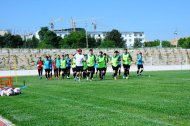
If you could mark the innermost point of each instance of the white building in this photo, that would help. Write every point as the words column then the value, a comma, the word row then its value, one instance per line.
column 128, row 37
column 131, row 37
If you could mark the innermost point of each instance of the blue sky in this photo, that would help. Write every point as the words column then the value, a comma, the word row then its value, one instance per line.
column 157, row 18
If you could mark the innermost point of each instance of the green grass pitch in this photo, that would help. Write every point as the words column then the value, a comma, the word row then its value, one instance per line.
column 161, row 99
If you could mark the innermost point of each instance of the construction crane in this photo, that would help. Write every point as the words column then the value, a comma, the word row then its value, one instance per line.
column 74, row 21
column 86, row 20
column 73, row 24
column 52, row 22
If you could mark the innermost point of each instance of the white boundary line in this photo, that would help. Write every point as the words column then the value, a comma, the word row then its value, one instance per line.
column 109, row 69
column 6, row 122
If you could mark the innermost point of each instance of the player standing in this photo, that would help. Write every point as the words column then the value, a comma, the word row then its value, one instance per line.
column 58, row 65
column 47, row 67
column 139, row 64
column 63, row 66
column 50, row 67
column 68, row 65
column 91, row 60
column 126, row 59
column 55, row 69
column 114, row 63
column 73, row 63
column 79, row 64
column 101, row 60
column 40, row 67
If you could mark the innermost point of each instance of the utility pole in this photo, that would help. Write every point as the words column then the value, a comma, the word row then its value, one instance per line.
column 175, row 34
column 86, row 36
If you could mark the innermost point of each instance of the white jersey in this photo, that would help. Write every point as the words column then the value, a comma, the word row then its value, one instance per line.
column 79, row 59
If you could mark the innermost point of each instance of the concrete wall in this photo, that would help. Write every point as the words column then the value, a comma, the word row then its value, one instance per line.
column 11, row 59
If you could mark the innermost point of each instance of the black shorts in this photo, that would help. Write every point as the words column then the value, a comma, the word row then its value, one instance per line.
column 126, row 66
column 102, row 69
column 119, row 66
column 84, row 70
column 115, row 68
column 40, row 69
column 47, row 70
column 74, row 69
column 79, row 68
column 92, row 69
column 68, row 68
column 140, row 66
column 64, row 70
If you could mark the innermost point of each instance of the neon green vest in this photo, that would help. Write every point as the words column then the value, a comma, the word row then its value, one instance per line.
column 90, row 60
column 63, row 63
column 101, row 62
column 74, row 63
column 114, row 61
column 126, row 59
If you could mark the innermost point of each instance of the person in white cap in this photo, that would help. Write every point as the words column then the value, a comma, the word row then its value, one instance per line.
column 79, row 64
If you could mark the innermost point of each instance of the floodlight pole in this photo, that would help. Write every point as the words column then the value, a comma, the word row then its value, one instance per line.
column 175, row 33
column 86, row 36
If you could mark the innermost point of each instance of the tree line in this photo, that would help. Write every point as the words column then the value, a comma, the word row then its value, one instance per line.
column 158, row 43
column 182, row 42
column 49, row 39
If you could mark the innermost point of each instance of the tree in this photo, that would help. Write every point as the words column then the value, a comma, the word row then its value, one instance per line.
column 17, row 41
column 13, row 41
column 137, row 43
column 154, row 43
column 32, row 43
column 7, row 40
column 166, row 44
column 181, row 42
column 116, row 37
column 2, row 42
column 58, row 41
column 187, row 43
column 48, row 39
column 107, row 44
column 98, row 42
column 184, row 42
column 42, row 32
column 77, row 40
column 92, row 42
